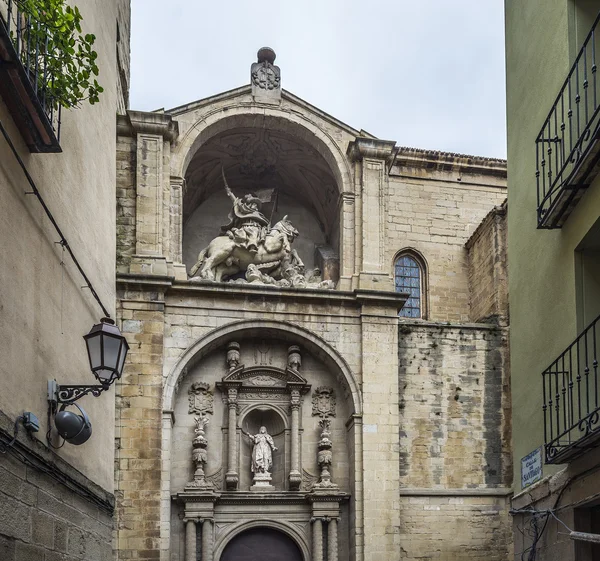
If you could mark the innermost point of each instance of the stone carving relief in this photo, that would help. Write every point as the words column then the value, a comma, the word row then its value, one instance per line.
column 294, row 358
column 233, row 355
column 200, row 404
column 308, row 480
column 262, row 457
column 199, row 453
column 215, row 480
column 249, row 245
column 201, row 399
column 323, row 402
column 261, row 354
column 264, row 74
column 325, row 454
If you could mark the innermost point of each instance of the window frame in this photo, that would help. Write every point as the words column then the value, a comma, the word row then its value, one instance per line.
column 418, row 258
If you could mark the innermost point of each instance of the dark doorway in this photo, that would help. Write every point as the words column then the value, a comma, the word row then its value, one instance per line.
column 261, row 544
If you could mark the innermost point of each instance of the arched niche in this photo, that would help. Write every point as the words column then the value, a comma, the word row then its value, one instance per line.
column 298, row 168
column 208, row 362
column 276, row 421
column 261, row 543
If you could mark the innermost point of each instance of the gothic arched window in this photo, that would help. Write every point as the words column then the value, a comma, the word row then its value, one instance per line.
column 409, row 276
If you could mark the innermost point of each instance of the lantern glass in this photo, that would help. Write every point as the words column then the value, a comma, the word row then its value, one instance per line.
column 111, row 351
column 94, row 346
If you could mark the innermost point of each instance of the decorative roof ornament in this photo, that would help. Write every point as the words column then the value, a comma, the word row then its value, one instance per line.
column 265, row 77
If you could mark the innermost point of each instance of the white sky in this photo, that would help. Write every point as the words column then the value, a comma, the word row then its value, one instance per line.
column 425, row 73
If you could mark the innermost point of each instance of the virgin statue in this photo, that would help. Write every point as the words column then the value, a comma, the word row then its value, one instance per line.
column 262, row 453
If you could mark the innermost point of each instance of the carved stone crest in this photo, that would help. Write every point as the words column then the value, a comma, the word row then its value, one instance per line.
column 264, row 74
column 323, row 402
column 201, row 399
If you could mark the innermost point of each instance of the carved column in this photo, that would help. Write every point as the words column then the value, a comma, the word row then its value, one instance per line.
column 332, row 540
column 190, row 540
column 207, row 543
column 295, row 475
column 231, row 477
column 317, row 540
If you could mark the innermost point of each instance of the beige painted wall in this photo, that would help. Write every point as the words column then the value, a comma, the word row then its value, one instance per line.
column 43, row 308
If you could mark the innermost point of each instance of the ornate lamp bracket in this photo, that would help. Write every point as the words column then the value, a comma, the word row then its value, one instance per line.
column 71, row 393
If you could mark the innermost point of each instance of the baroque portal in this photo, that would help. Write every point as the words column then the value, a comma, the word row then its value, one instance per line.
column 272, row 394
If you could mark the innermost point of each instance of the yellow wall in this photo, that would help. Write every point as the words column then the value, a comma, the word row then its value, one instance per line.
column 541, row 263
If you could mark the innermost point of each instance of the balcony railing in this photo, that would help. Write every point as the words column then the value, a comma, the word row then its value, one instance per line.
column 572, row 399
column 24, row 79
column 567, row 147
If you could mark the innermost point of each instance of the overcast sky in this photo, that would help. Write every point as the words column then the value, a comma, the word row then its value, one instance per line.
column 425, row 73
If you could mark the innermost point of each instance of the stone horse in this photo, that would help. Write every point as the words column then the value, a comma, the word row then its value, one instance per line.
column 224, row 257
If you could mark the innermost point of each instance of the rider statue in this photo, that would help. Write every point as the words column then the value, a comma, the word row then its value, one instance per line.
column 247, row 225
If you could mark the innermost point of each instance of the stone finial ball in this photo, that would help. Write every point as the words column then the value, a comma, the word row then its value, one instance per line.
column 266, row 54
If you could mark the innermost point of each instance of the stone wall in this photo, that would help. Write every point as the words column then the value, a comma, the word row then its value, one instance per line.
column 488, row 275
column 436, row 201
column 455, row 528
column 48, row 510
column 455, row 437
column 126, row 201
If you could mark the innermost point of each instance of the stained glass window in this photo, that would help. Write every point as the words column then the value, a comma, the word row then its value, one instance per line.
column 408, row 277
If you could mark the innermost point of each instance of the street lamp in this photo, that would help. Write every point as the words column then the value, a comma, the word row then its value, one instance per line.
column 107, row 350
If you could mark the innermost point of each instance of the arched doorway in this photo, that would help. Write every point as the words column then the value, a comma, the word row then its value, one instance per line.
column 261, row 544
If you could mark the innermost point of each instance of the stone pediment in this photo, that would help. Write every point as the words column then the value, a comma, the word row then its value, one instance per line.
column 263, row 377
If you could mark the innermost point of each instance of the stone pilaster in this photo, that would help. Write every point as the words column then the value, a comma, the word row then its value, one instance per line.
column 371, row 158
column 295, row 475
column 207, row 540
column 332, row 540
column 140, row 422
column 190, row 540
column 231, row 477
column 154, row 133
column 317, row 539
column 381, row 459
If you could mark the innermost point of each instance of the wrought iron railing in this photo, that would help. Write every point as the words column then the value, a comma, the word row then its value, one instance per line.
column 572, row 399
column 31, row 49
column 566, row 147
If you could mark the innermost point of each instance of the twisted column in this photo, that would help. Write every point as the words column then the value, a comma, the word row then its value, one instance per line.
column 317, row 540
column 190, row 540
column 231, row 477
column 207, row 543
column 332, row 540
column 295, row 475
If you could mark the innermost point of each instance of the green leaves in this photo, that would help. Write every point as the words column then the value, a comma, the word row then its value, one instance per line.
column 64, row 58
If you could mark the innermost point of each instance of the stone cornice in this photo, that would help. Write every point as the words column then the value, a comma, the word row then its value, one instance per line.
column 371, row 148
column 160, row 124
column 447, row 161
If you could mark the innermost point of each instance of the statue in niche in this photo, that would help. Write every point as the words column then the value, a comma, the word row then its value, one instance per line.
column 262, row 452
column 249, row 244
column 247, row 226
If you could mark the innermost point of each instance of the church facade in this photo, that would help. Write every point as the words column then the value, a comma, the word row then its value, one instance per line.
column 318, row 323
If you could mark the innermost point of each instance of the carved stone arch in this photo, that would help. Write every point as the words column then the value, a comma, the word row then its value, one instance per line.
column 274, row 406
column 251, row 328
column 235, row 115
column 417, row 256
column 287, row 529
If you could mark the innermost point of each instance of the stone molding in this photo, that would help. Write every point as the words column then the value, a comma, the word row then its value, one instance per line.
column 142, row 122
column 310, row 342
column 285, row 527
column 371, row 148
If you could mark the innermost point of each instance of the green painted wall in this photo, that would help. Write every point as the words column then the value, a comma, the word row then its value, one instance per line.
column 541, row 37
